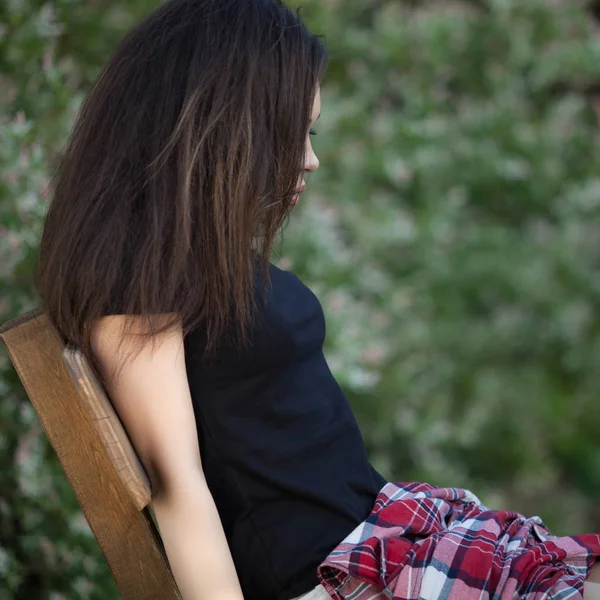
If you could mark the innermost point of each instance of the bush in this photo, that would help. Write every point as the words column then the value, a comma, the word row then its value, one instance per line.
column 451, row 233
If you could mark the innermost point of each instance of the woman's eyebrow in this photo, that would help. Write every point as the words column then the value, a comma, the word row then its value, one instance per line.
column 317, row 118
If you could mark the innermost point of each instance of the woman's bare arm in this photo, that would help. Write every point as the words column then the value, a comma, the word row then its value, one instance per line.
column 153, row 401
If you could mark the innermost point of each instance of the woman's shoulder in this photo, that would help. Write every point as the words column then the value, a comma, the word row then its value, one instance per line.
column 285, row 275
column 289, row 287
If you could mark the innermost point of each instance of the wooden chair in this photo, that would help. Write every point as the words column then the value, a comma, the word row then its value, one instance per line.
column 94, row 450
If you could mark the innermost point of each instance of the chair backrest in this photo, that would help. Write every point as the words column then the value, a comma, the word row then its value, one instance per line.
column 95, row 453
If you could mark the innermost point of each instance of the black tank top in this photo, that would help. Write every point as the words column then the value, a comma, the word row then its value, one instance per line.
column 281, row 450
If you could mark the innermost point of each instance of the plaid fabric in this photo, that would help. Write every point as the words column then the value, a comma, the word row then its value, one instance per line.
column 422, row 542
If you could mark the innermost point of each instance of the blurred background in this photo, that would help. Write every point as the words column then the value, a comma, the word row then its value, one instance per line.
column 452, row 234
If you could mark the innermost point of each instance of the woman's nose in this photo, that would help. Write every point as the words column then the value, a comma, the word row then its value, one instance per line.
column 311, row 162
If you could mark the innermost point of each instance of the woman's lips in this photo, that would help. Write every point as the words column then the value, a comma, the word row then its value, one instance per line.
column 297, row 194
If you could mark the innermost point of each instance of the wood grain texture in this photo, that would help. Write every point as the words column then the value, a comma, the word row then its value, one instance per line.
column 108, row 425
column 126, row 534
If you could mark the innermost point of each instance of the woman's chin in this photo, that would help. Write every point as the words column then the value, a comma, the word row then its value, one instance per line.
column 295, row 198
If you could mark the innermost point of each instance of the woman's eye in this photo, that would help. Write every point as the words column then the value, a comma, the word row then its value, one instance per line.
column 312, row 132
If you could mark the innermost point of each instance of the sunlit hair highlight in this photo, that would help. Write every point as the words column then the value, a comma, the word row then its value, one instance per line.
column 180, row 171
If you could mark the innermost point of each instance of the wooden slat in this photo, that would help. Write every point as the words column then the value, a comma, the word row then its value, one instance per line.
column 128, row 537
column 109, row 426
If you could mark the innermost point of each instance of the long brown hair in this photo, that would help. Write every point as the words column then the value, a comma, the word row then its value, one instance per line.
column 180, row 170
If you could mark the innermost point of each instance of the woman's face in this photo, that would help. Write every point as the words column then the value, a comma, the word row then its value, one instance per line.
column 311, row 162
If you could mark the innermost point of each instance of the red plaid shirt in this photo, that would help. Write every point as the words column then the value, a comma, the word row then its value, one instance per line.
column 422, row 542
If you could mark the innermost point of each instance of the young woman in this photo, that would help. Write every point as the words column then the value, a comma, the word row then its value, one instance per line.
column 187, row 156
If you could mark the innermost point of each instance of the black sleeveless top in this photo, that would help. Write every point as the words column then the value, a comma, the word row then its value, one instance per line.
column 281, row 450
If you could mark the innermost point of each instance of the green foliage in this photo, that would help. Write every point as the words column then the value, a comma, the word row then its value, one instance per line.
column 451, row 233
